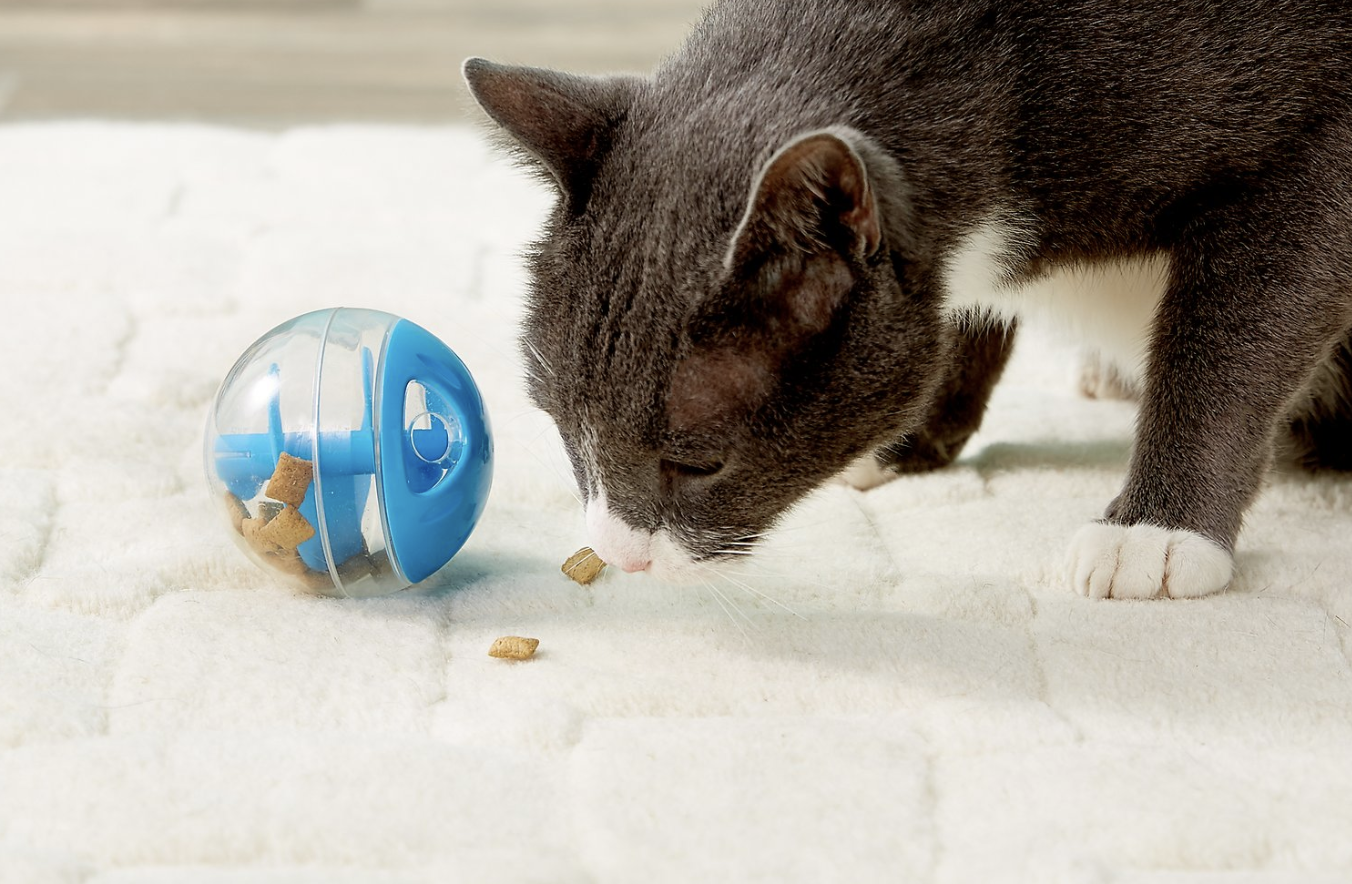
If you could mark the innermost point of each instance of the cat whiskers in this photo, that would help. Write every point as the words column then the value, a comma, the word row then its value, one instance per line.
column 728, row 607
column 778, row 530
column 511, row 360
column 755, row 557
column 749, row 549
column 539, row 357
column 748, row 588
column 568, row 484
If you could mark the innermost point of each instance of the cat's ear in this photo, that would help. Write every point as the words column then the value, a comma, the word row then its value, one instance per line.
column 565, row 121
column 812, row 218
column 814, row 194
column 743, row 339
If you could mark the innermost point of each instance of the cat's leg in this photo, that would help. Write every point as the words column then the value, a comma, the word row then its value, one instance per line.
column 1260, row 291
column 980, row 352
column 1319, row 430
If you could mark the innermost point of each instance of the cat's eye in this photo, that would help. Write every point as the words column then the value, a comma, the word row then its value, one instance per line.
column 691, row 470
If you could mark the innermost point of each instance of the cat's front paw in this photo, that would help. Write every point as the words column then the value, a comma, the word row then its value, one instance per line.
column 1100, row 378
column 866, row 473
column 914, row 454
column 1145, row 562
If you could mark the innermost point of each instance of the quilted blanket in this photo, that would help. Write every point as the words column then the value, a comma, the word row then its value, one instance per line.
column 899, row 689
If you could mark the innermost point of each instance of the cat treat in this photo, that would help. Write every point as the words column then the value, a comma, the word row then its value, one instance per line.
column 264, row 543
column 286, row 530
column 290, row 480
column 250, row 527
column 278, row 529
column 274, row 528
column 584, row 566
column 239, row 511
column 288, row 561
column 275, row 543
column 357, row 567
column 514, row 647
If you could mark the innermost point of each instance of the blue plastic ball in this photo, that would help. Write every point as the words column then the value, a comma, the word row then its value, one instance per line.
column 351, row 452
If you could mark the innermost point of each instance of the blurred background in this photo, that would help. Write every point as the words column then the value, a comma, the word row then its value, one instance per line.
column 273, row 63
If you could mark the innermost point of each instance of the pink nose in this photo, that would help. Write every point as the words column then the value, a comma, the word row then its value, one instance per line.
column 631, row 561
column 632, row 566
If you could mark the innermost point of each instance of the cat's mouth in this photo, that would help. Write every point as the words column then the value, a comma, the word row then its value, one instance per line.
column 673, row 563
column 659, row 554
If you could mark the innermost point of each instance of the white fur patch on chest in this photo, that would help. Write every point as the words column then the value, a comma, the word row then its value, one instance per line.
column 1107, row 305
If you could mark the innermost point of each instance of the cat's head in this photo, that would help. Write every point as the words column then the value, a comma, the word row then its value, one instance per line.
column 718, row 321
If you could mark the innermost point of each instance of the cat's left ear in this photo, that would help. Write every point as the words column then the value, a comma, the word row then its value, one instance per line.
column 814, row 194
column 564, row 121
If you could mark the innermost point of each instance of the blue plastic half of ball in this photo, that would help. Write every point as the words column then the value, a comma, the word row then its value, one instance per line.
column 436, row 466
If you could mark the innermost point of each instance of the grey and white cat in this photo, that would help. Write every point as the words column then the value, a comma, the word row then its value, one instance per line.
column 799, row 248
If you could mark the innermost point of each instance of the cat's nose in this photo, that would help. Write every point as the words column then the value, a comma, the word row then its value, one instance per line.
column 631, row 560
column 634, row 565
column 615, row 541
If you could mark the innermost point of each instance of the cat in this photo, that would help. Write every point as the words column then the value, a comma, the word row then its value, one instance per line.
column 800, row 249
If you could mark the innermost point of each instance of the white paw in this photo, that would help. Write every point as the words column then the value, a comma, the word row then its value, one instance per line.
column 1144, row 561
column 1101, row 378
column 865, row 473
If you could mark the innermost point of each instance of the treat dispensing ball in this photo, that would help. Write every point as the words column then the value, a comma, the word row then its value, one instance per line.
column 350, row 451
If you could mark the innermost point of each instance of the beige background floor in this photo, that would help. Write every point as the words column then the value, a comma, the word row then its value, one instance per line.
column 268, row 64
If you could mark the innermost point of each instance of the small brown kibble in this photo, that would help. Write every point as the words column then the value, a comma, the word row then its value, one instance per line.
column 286, row 530
column 252, row 529
column 290, row 480
column 238, row 511
column 514, row 647
column 380, row 561
column 584, row 565
column 356, row 568
column 288, row 561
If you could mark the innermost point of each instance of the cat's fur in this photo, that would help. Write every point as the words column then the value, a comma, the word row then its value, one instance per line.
column 802, row 242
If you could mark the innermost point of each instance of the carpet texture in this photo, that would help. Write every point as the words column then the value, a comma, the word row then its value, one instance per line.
column 899, row 689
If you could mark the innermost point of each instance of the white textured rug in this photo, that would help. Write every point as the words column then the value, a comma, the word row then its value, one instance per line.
column 937, row 709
